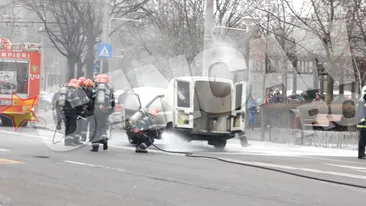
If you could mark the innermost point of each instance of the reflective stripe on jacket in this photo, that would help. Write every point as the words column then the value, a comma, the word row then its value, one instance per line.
column 360, row 114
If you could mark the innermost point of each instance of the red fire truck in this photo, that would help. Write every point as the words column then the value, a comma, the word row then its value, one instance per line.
column 20, row 65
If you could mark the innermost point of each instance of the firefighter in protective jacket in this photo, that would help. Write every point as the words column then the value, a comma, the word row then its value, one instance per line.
column 144, row 129
column 103, row 107
column 82, row 123
column 72, row 108
column 361, row 123
column 90, row 92
column 59, row 97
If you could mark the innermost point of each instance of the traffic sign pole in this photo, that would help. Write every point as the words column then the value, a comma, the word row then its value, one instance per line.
column 104, row 53
column 101, row 66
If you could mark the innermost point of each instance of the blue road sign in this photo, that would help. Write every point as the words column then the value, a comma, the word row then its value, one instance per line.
column 104, row 51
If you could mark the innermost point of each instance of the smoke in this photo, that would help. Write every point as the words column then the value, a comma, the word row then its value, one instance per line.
column 175, row 142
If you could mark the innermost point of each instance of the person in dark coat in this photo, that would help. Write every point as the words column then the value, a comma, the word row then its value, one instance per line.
column 361, row 123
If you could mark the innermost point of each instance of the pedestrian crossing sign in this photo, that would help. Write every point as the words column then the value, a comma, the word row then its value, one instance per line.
column 104, row 50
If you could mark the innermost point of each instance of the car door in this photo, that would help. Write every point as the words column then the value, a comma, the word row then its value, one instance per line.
column 183, row 116
column 130, row 105
column 238, row 107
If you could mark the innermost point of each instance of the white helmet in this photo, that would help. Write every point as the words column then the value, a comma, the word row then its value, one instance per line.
column 363, row 91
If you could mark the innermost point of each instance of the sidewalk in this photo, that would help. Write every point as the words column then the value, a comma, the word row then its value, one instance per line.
column 297, row 150
column 323, row 139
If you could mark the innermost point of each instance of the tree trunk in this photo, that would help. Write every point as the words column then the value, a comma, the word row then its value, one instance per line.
column 330, row 83
column 294, row 74
column 69, row 73
column 80, row 66
column 341, row 82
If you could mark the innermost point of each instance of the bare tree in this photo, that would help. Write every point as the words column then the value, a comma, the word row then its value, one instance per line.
column 322, row 21
column 91, row 23
column 63, row 25
column 175, row 28
column 356, row 17
column 275, row 21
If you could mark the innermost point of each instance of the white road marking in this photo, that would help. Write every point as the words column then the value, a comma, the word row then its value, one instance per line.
column 299, row 169
column 335, row 160
column 25, row 134
column 4, row 150
column 92, row 165
column 349, row 167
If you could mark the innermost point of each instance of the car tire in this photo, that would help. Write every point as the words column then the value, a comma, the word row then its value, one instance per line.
column 7, row 122
column 219, row 144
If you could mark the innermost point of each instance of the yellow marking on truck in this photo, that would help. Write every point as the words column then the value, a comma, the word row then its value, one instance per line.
column 8, row 162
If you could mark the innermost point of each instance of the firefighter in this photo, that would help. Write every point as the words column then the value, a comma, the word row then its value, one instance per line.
column 72, row 108
column 143, row 127
column 103, row 107
column 82, row 124
column 57, row 112
column 90, row 92
column 361, row 123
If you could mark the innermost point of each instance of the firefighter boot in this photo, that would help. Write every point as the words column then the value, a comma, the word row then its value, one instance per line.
column 105, row 144
column 141, row 148
column 83, row 138
column 77, row 140
column 69, row 142
column 95, row 148
column 104, row 141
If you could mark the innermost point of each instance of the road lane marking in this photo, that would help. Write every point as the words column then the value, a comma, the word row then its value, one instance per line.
column 8, row 161
column 347, row 166
column 92, row 165
column 4, row 150
column 297, row 168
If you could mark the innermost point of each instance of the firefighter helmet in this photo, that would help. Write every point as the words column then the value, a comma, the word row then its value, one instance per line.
column 98, row 78
column 154, row 112
column 81, row 81
column 89, row 83
column 73, row 83
column 105, row 78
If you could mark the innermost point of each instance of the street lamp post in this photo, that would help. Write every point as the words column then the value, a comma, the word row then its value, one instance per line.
column 108, row 39
column 43, row 67
column 105, row 30
column 120, row 19
column 209, row 22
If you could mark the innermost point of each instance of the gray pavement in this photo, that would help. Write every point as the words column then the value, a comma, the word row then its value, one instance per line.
column 34, row 173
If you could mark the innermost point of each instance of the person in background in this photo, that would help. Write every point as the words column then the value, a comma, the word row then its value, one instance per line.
column 252, row 110
column 267, row 99
column 293, row 96
column 317, row 97
column 266, row 113
column 276, row 98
